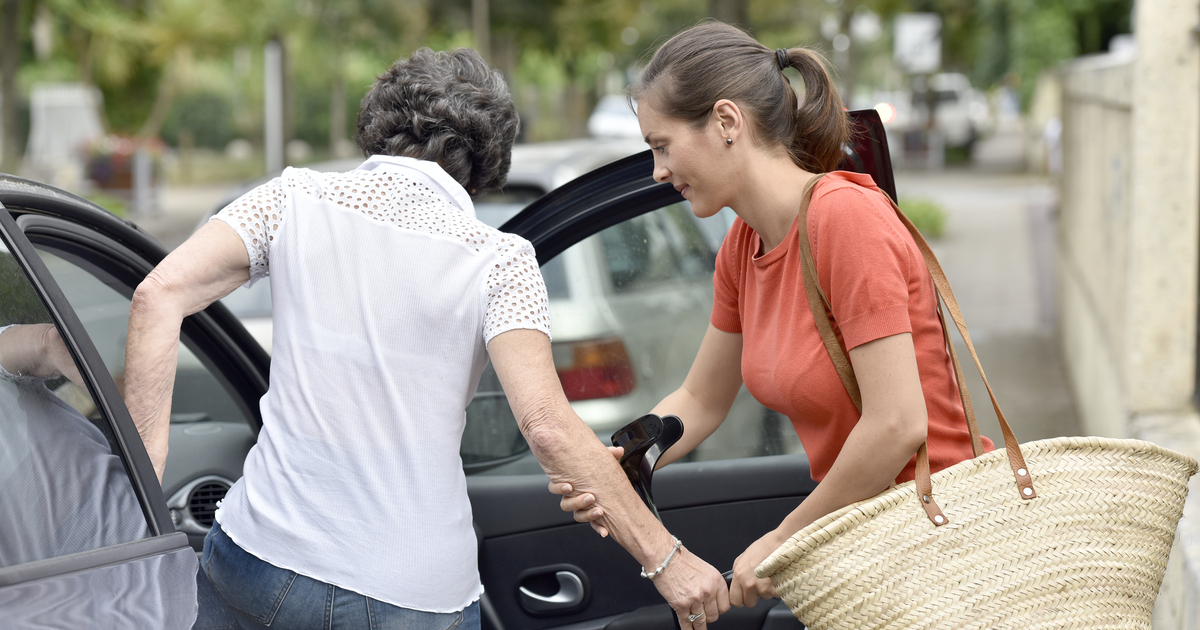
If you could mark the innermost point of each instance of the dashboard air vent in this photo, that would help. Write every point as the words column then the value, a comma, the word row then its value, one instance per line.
column 202, row 502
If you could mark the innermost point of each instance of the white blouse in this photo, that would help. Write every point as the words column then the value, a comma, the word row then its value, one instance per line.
column 385, row 291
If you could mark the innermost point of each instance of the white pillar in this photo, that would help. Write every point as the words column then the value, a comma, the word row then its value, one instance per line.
column 273, row 106
column 1160, row 349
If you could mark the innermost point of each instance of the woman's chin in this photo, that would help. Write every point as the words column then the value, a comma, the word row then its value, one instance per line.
column 703, row 211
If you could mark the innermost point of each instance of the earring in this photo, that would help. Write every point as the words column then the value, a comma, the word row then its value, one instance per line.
column 728, row 142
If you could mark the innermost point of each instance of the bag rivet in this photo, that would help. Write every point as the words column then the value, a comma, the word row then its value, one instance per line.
column 938, row 519
column 1028, row 491
column 925, row 498
column 1021, row 472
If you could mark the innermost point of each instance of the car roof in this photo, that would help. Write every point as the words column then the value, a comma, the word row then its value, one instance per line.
column 543, row 166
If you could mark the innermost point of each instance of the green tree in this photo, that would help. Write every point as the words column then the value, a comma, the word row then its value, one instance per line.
column 11, row 13
column 176, row 32
column 1026, row 37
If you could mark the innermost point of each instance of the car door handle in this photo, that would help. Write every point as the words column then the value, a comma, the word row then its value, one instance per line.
column 570, row 594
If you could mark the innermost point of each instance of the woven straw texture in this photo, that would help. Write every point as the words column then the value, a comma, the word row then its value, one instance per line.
column 1089, row 551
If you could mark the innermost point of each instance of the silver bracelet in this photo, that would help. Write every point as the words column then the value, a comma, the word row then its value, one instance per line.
column 664, row 562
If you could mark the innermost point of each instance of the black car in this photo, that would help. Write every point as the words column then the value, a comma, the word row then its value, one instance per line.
column 89, row 538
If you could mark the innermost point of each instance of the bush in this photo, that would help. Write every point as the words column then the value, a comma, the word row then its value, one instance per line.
column 112, row 203
column 208, row 117
column 927, row 215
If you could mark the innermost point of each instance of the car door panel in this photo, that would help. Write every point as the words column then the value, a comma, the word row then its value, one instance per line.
column 708, row 505
column 83, row 514
column 154, row 581
column 219, row 377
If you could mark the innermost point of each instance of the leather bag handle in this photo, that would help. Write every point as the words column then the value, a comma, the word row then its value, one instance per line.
column 823, row 317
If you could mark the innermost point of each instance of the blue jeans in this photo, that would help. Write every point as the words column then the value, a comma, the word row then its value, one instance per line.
column 265, row 596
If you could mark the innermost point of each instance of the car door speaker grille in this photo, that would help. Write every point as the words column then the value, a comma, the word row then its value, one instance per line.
column 202, row 502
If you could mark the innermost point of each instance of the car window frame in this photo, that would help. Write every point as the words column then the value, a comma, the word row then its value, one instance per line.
column 99, row 383
column 223, row 346
column 625, row 189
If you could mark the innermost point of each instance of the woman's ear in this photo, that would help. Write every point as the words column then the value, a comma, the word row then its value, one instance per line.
column 730, row 123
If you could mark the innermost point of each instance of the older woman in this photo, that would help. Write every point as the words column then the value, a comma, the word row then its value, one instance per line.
column 389, row 298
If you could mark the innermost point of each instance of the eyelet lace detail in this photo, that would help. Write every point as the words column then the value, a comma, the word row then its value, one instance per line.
column 516, row 294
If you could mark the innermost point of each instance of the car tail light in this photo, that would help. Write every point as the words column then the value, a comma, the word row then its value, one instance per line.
column 887, row 112
column 597, row 368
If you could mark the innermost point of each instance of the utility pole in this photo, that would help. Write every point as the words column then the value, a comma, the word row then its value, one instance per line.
column 273, row 106
column 730, row 11
column 481, row 28
column 10, row 53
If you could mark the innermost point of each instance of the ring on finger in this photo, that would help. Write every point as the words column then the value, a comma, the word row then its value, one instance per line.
column 696, row 617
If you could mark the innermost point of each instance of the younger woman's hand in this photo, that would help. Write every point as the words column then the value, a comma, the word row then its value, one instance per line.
column 746, row 588
column 581, row 504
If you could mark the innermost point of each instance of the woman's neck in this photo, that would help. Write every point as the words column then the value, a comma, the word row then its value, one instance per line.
column 770, row 198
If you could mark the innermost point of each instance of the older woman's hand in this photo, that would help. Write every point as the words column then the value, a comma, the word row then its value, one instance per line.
column 696, row 591
column 37, row 350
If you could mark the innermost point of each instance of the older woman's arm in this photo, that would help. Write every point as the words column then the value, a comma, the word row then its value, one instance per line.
column 571, row 454
column 208, row 266
column 37, row 350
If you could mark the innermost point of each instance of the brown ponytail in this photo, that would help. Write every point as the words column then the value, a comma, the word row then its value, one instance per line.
column 714, row 61
column 822, row 126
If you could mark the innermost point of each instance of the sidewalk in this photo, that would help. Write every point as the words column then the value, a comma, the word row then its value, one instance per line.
column 999, row 255
column 181, row 208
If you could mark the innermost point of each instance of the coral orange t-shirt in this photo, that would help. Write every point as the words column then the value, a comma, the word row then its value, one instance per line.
column 878, row 285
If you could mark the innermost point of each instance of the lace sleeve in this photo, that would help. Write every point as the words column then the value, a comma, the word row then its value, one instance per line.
column 516, row 293
column 257, row 216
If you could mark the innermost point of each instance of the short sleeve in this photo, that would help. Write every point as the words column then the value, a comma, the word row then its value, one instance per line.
column 726, row 315
column 516, row 292
column 864, row 263
column 258, row 215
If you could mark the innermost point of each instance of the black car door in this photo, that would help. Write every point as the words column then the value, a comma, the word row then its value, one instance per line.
column 75, row 266
column 540, row 568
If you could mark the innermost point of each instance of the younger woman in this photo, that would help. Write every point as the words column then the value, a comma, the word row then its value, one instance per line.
column 727, row 129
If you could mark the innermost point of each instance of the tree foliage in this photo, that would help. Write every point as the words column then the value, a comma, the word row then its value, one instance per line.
column 155, row 59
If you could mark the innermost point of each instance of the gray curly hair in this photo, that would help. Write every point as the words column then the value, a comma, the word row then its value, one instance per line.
column 447, row 107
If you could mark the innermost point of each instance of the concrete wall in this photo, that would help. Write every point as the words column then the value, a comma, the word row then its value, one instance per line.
column 1129, row 252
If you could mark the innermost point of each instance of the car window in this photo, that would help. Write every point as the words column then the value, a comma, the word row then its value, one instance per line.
column 661, row 267
column 211, row 430
column 65, row 488
column 103, row 307
column 625, row 335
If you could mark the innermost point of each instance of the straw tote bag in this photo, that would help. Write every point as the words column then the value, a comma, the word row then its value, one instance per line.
column 1065, row 532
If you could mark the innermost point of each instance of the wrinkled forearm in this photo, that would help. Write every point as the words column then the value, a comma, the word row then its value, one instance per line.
column 570, row 453
column 151, row 354
column 567, row 448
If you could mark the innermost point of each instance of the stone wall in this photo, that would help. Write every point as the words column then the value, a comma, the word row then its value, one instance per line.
column 1129, row 253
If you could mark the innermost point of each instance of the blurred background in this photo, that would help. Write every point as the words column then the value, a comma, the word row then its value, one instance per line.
column 224, row 90
column 1050, row 150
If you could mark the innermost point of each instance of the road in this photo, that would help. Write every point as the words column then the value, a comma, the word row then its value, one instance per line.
column 999, row 255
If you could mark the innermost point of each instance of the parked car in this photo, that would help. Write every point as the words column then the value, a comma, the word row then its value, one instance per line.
column 96, row 541
column 961, row 112
column 614, row 118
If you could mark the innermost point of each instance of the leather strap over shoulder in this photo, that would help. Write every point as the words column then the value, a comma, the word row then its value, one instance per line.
column 823, row 317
